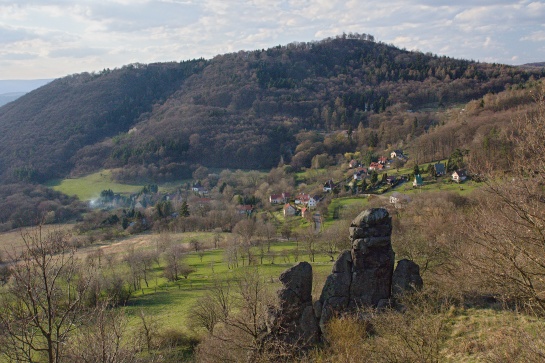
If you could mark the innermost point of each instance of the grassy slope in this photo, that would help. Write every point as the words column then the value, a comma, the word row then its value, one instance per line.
column 13, row 240
column 170, row 302
column 90, row 186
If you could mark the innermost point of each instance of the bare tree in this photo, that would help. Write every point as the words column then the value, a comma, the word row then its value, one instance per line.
column 268, row 231
column 198, row 247
column 102, row 339
column 507, row 230
column 309, row 238
column 246, row 229
column 232, row 253
column 140, row 263
column 213, row 307
column 333, row 240
column 217, row 238
column 235, row 336
column 42, row 303
column 174, row 261
column 148, row 330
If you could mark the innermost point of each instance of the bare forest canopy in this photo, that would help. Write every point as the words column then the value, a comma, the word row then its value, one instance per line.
column 239, row 110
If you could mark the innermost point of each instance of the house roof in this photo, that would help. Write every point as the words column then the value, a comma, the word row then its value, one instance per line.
column 303, row 196
column 460, row 172
column 439, row 168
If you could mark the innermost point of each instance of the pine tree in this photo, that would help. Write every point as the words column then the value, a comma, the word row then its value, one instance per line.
column 184, row 210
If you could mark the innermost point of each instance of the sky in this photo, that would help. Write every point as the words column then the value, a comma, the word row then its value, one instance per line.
column 42, row 39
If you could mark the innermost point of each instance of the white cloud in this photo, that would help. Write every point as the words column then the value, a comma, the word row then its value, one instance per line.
column 116, row 32
column 537, row 36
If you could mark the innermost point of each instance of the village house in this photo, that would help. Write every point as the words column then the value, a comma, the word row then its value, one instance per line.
column 302, row 198
column 276, row 199
column 399, row 200
column 459, row 176
column 279, row 198
column 382, row 160
column 199, row 189
column 353, row 163
column 391, row 180
column 289, row 210
column 196, row 186
column 418, row 182
column 307, row 200
column 328, row 186
column 305, row 212
column 245, row 209
column 397, row 154
column 313, row 201
column 360, row 174
column 376, row 166
column 439, row 169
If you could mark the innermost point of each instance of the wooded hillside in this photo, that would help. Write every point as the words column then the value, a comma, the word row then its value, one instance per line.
column 239, row 110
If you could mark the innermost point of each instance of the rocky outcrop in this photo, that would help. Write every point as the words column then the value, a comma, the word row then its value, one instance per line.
column 406, row 278
column 295, row 322
column 361, row 277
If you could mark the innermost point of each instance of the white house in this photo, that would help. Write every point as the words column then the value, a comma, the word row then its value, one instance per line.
column 397, row 154
column 459, row 176
column 398, row 199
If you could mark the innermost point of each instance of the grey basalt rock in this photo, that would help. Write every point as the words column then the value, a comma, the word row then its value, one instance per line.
column 295, row 322
column 361, row 277
column 406, row 278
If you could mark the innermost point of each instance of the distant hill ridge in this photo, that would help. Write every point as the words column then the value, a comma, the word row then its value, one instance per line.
column 10, row 90
column 8, row 97
column 238, row 110
column 534, row 65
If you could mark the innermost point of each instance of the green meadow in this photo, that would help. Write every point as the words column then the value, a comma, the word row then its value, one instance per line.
column 170, row 302
column 90, row 186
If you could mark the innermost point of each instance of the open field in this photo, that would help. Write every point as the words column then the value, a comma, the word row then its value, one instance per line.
column 90, row 186
column 169, row 302
column 13, row 240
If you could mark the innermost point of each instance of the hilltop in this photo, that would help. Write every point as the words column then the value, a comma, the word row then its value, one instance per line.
column 239, row 110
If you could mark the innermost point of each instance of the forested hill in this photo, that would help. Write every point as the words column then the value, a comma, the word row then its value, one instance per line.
column 41, row 131
column 240, row 110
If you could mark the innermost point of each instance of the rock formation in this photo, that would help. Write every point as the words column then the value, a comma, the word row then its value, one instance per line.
column 295, row 322
column 406, row 278
column 361, row 277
